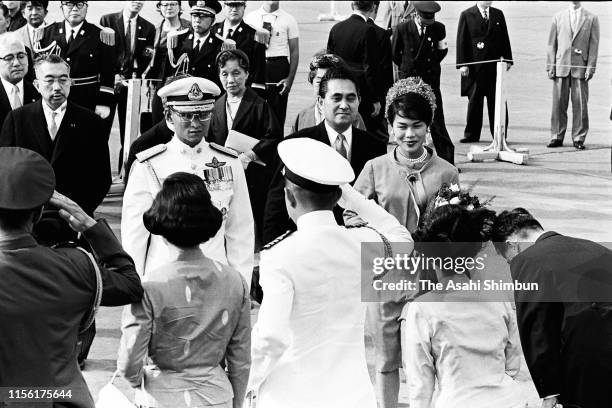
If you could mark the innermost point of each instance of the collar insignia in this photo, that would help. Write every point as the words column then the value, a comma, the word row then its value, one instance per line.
column 215, row 164
column 195, row 93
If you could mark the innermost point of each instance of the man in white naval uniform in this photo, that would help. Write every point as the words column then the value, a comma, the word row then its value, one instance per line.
column 189, row 105
column 308, row 343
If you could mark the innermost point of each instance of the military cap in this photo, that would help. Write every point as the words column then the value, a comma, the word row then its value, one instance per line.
column 230, row 2
column 209, row 7
column 190, row 94
column 426, row 10
column 27, row 180
column 313, row 165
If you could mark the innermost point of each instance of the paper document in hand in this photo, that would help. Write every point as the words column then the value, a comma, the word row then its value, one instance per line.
column 240, row 142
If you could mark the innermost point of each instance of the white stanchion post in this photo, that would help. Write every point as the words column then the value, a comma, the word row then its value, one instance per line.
column 498, row 149
column 332, row 16
column 132, row 117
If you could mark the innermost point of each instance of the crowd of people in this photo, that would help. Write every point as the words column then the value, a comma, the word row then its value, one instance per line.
column 222, row 210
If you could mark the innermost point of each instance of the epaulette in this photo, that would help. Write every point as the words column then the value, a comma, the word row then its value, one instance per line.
column 225, row 150
column 107, row 36
column 227, row 43
column 276, row 241
column 357, row 224
column 150, row 152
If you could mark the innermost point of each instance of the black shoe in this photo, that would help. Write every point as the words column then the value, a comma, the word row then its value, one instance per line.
column 468, row 140
column 555, row 143
column 579, row 145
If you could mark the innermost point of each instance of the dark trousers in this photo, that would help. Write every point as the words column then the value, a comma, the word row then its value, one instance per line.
column 482, row 87
column 277, row 68
column 442, row 141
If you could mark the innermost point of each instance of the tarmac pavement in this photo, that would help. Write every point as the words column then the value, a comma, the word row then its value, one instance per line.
column 569, row 191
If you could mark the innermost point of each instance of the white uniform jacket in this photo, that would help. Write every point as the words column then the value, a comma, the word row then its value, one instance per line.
column 235, row 241
column 308, row 343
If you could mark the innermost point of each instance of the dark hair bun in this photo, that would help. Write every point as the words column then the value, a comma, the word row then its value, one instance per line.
column 182, row 212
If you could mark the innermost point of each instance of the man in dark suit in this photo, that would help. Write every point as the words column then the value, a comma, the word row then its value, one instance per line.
column 356, row 42
column 339, row 102
column 200, row 44
column 235, row 29
column 566, row 324
column 48, row 294
column 482, row 35
column 16, row 16
column 15, row 91
column 68, row 135
column 419, row 46
column 91, row 60
column 134, row 38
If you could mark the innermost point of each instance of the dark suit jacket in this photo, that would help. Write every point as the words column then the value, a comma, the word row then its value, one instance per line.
column 385, row 65
column 79, row 155
column 479, row 41
column 419, row 56
column 355, row 41
column 244, row 35
column 87, row 56
column 44, row 297
column 30, row 94
column 158, row 134
column 565, row 329
column 202, row 63
column 143, row 48
column 365, row 146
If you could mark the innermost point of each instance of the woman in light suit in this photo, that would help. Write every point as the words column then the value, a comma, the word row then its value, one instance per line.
column 193, row 323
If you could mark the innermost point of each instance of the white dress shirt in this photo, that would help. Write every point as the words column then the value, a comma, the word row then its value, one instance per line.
column 201, row 39
column 227, row 26
column 70, row 28
column 59, row 116
column 9, row 88
column 348, row 138
column 234, row 242
column 482, row 12
column 32, row 32
column 126, row 20
column 574, row 17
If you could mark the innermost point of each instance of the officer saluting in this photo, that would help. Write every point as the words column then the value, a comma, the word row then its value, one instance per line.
column 312, row 307
column 190, row 102
column 91, row 59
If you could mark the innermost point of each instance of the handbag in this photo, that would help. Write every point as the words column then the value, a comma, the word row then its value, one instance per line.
column 111, row 397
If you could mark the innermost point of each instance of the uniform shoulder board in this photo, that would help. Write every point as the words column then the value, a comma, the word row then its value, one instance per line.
column 262, row 36
column 357, row 224
column 107, row 36
column 276, row 241
column 225, row 150
column 150, row 152
column 227, row 44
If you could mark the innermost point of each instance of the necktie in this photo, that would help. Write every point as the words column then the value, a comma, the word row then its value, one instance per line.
column 339, row 145
column 486, row 15
column 230, row 32
column 197, row 46
column 71, row 38
column 16, row 99
column 128, row 39
column 53, row 127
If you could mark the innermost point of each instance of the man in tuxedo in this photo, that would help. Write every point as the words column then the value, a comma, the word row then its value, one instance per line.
column 419, row 46
column 356, row 42
column 482, row 35
column 339, row 103
column 234, row 28
column 573, row 40
column 566, row 325
column 69, row 136
column 15, row 90
column 134, row 38
column 200, row 44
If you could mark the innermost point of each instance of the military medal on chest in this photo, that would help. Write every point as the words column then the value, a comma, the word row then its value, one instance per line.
column 218, row 175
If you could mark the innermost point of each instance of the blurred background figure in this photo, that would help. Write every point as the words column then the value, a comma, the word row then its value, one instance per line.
column 282, row 53
column 158, row 69
column 34, row 13
column 419, row 46
column 15, row 9
column 482, row 35
column 312, row 115
column 194, row 322
column 5, row 18
column 571, row 59
column 134, row 49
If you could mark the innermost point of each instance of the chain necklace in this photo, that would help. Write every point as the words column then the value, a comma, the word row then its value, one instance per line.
column 419, row 159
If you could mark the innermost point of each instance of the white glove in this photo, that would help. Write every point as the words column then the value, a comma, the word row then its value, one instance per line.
column 102, row 111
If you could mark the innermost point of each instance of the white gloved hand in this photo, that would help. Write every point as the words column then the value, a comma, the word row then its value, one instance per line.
column 102, row 111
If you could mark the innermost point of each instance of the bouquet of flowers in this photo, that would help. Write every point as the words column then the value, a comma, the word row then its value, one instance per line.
column 452, row 194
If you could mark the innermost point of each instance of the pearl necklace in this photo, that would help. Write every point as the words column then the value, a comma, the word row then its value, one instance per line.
column 419, row 159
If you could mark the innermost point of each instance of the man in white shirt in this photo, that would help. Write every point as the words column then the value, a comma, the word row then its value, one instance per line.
column 15, row 91
column 34, row 13
column 282, row 53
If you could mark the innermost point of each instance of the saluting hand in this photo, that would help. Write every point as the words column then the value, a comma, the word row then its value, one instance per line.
column 72, row 213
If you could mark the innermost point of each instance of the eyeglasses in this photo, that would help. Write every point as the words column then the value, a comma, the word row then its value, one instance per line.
column 168, row 5
column 50, row 81
column 72, row 4
column 21, row 56
column 190, row 116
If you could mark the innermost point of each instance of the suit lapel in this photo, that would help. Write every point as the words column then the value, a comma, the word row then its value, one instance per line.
column 30, row 94
column 79, row 38
column 5, row 104
column 245, row 106
column 64, row 133
column 60, row 38
column 41, row 131
column 205, row 48
column 579, row 25
column 322, row 135
column 221, row 118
